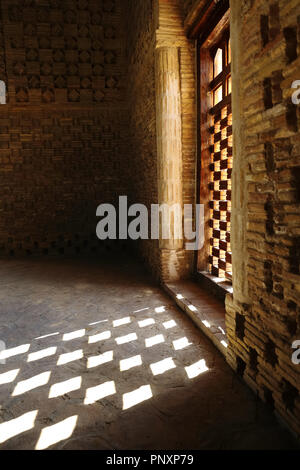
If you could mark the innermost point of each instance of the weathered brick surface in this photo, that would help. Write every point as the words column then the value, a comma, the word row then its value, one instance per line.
column 62, row 133
column 154, row 25
column 68, row 122
column 63, row 52
column 262, row 329
column 270, row 149
column 142, row 115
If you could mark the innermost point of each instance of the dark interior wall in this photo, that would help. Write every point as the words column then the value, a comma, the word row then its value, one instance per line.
column 62, row 131
column 141, row 27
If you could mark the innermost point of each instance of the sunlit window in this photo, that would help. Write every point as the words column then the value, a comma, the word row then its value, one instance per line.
column 220, row 165
column 218, row 62
column 218, row 95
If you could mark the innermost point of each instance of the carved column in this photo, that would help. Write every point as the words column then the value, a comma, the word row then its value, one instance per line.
column 169, row 144
column 239, row 183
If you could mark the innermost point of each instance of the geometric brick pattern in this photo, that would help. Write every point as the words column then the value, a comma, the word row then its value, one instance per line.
column 55, row 171
column 60, row 52
column 62, row 133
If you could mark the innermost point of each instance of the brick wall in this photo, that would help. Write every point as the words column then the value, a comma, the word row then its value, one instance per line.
column 262, row 331
column 142, row 116
column 263, row 315
column 63, row 132
column 78, row 131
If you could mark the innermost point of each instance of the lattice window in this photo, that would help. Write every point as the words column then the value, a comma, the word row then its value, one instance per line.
column 220, row 119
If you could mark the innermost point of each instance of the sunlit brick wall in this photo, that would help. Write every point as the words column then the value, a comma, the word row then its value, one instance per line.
column 263, row 315
column 263, row 322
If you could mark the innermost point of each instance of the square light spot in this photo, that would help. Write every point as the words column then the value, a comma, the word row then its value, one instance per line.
column 160, row 309
column 196, row 369
column 94, row 394
column 56, row 433
column 32, row 383
column 179, row 297
column 147, row 322
column 137, row 396
column 8, row 377
column 192, row 308
column 205, row 323
column 70, row 357
column 181, row 343
column 169, row 324
column 59, row 389
column 127, row 339
column 96, row 361
column 17, row 426
column 6, row 353
column 154, row 341
column 100, row 337
column 163, row 366
column 36, row 356
column 123, row 321
column 74, row 335
column 127, row 364
column 224, row 344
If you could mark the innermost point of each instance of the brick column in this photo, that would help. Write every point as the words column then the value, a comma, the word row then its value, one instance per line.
column 169, row 132
column 239, row 182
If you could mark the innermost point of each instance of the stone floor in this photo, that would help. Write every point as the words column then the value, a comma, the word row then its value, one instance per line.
column 99, row 357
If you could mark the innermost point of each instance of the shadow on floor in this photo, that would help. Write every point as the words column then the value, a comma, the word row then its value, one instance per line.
column 98, row 357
